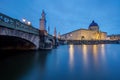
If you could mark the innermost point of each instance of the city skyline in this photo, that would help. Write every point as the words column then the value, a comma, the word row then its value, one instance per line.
column 67, row 15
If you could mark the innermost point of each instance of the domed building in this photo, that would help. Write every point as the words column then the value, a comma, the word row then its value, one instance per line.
column 92, row 33
column 93, row 26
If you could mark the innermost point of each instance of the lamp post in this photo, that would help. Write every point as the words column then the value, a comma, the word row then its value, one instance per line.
column 26, row 21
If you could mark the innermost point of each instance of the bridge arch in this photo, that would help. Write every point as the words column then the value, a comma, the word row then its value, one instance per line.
column 13, row 42
column 51, row 40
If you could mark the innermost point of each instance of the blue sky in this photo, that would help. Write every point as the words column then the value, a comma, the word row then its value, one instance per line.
column 67, row 15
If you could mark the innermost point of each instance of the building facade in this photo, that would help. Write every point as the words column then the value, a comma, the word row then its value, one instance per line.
column 92, row 33
column 113, row 37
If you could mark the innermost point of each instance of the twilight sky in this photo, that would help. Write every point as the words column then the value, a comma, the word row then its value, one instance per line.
column 66, row 15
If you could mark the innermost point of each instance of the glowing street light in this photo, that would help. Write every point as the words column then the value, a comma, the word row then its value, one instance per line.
column 29, row 23
column 24, row 20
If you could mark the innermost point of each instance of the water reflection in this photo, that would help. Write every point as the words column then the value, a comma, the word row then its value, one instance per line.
column 37, row 71
column 42, row 58
column 15, row 64
column 74, row 62
column 85, row 50
column 103, row 50
column 71, row 55
column 95, row 52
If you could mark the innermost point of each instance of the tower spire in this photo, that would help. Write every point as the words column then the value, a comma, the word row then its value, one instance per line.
column 43, row 14
column 59, row 35
column 55, row 32
column 43, row 21
column 48, row 29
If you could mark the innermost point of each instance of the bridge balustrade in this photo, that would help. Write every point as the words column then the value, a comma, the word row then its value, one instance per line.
column 9, row 22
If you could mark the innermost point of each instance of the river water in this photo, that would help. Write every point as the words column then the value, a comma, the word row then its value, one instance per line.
column 67, row 62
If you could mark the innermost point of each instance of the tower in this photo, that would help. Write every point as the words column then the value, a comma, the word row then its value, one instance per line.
column 59, row 35
column 43, row 31
column 55, row 37
column 48, row 29
column 55, row 32
column 43, row 21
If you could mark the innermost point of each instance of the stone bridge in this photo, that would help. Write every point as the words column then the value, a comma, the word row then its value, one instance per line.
column 18, row 35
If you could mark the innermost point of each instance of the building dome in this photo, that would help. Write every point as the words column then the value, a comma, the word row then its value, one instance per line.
column 94, row 26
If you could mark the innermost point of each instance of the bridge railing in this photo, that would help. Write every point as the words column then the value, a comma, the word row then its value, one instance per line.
column 12, row 23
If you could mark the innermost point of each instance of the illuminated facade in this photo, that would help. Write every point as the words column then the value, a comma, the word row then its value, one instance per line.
column 92, row 33
column 114, row 37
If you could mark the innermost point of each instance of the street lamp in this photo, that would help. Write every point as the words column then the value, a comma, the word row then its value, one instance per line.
column 26, row 21
column 29, row 23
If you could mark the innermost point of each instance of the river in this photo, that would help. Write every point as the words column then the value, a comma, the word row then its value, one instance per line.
column 66, row 62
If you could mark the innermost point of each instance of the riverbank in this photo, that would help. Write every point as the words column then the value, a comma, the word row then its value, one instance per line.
column 91, row 42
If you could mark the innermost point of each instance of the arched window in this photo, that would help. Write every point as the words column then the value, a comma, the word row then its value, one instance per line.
column 82, row 37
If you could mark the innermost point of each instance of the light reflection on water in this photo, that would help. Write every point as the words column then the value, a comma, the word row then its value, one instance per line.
column 103, row 51
column 84, row 49
column 95, row 54
column 71, row 56
column 67, row 62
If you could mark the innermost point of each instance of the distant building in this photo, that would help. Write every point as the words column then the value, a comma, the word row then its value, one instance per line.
column 92, row 33
column 114, row 37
